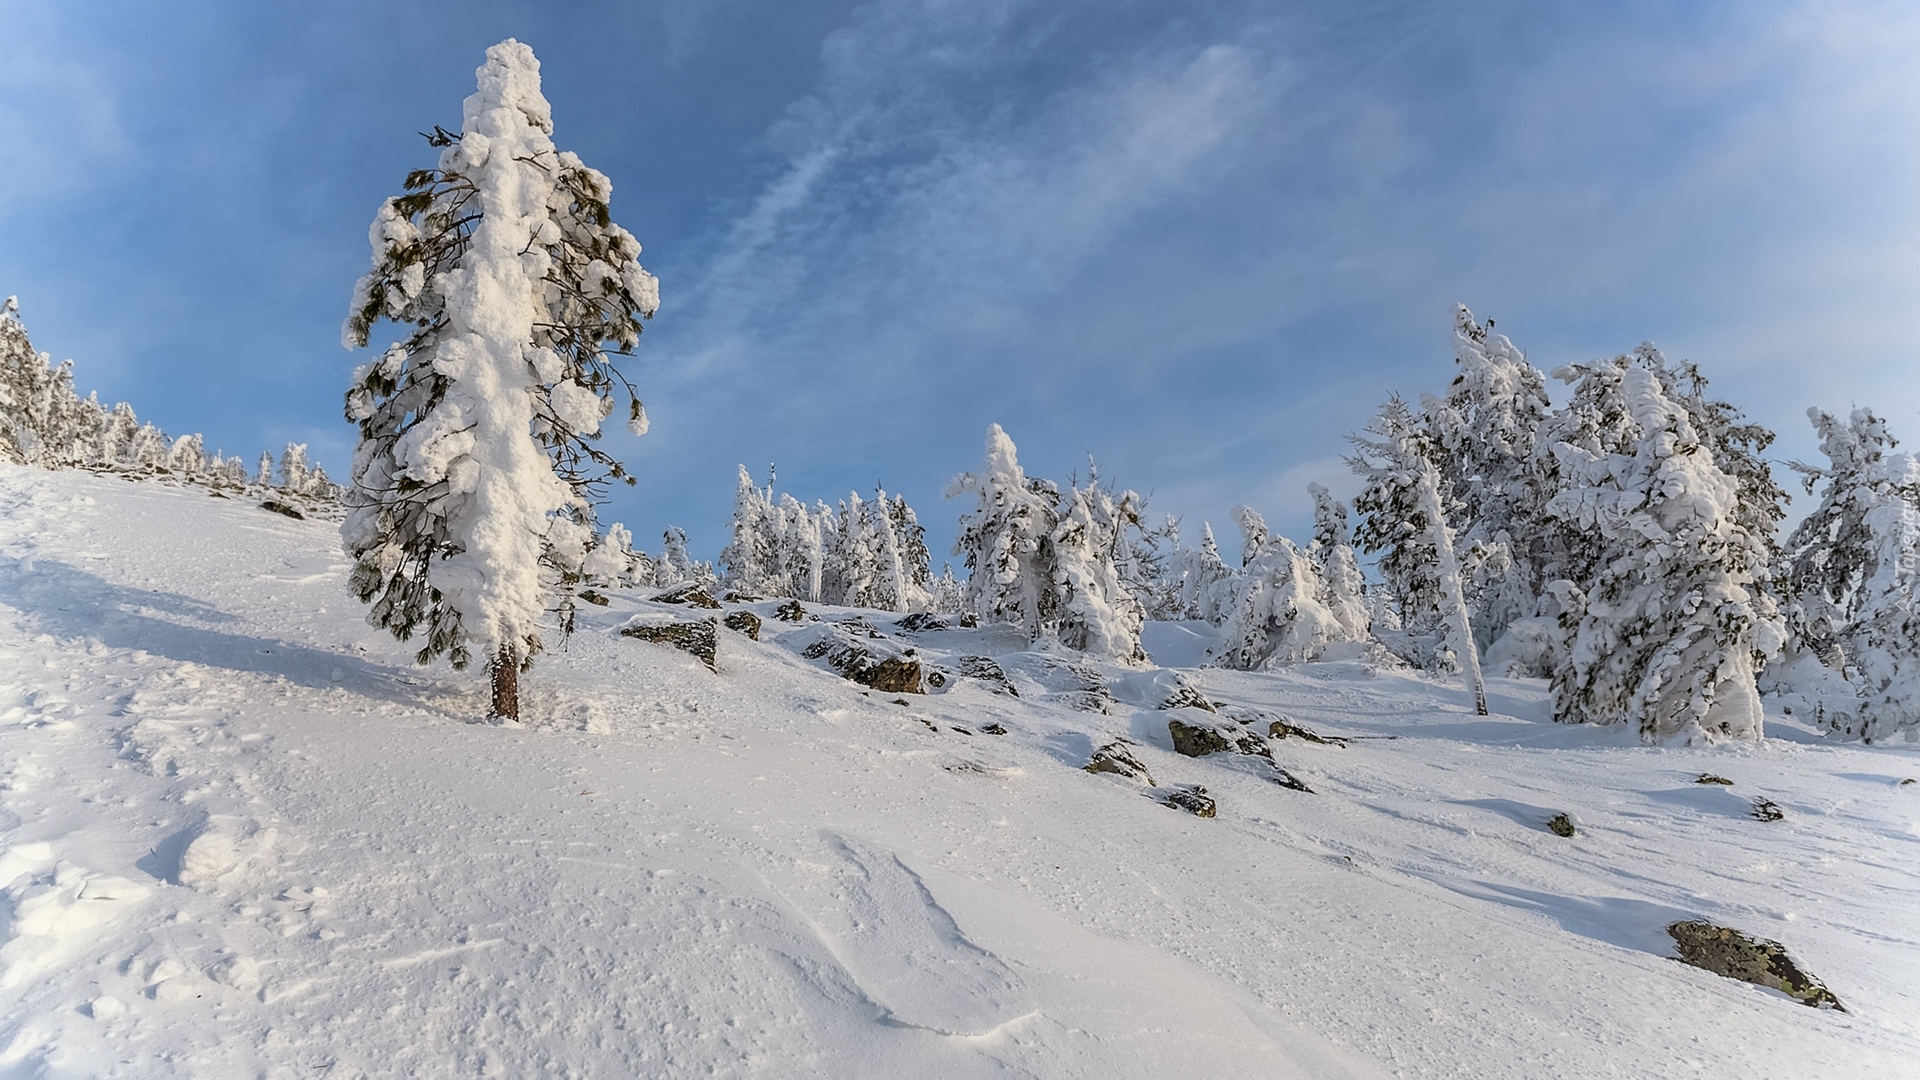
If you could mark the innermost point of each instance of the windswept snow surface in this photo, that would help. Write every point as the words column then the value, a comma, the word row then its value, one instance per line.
column 240, row 835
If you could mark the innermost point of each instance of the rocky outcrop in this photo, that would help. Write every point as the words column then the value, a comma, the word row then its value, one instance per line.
column 791, row 611
column 594, row 598
column 1561, row 825
column 283, row 509
column 696, row 638
column 987, row 671
column 691, row 592
column 1726, row 951
column 1199, row 740
column 1114, row 758
column 921, row 622
column 745, row 622
column 1709, row 778
column 1766, row 809
column 1189, row 797
column 901, row 674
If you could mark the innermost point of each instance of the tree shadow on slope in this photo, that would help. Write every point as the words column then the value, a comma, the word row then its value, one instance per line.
column 69, row 602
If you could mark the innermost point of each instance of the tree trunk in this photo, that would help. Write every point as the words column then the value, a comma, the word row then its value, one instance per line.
column 504, row 673
column 1451, row 587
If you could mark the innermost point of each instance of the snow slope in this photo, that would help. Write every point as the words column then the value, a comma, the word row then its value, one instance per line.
column 243, row 836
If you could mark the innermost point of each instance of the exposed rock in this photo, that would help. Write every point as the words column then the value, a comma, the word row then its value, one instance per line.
column 1909, row 780
column 741, row 598
column 857, row 625
column 938, row 677
column 1728, row 952
column 921, row 622
column 1282, row 728
column 1289, row 781
column 888, row 674
column 1709, row 778
column 969, row 621
column 1189, row 797
column 1093, row 701
column 1199, row 740
column 1112, row 758
column 1560, row 825
column 691, row 592
column 791, row 611
column 746, row 622
column 989, row 672
column 1185, row 695
column 1767, row 810
column 279, row 507
column 894, row 675
column 697, row 638
column 594, row 598
column 997, row 729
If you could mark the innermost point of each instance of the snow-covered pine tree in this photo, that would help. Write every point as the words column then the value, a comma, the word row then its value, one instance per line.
column 1407, row 523
column 893, row 590
column 1482, row 437
column 188, row 457
column 853, row 565
column 1096, row 611
column 1850, row 573
column 1006, row 540
column 263, row 475
column 949, row 592
column 802, row 554
column 675, row 566
column 1342, row 586
column 1668, row 633
column 1207, row 586
column 1274, row 615
column 294, row 468
column 476, row 429
column 750, row 563
column 117, row 430
column 36, row 396
column 915, row 560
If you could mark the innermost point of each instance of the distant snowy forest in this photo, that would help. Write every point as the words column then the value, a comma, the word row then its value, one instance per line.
column 1622, row 546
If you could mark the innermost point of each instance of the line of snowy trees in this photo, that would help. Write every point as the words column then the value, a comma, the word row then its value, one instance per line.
column 869, row 553
column 1620, row 545
column 45, row 422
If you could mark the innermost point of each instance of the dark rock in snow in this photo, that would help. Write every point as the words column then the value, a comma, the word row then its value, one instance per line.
column 1093, row 701
column 691, row 592
column 997, row 729
column 1766, row 809
column 741, row 598
column 890, row 674
column 989, row 672
column 920, row 622
column 1199, row 740
column 279, row 507
column 1112, row 758
column 969, row 621
column 594, row 598
column 1283, row 728
column 697, row 638
column 1709, row 778
column 746, row 622
column 1189, row 797
column 1289, row 781
column 1185, row 695
column 1560, row 825
column 894, row 675
column 791, row 611
column 1728, row 952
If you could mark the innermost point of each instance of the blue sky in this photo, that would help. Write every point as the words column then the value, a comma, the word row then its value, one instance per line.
column 1200, row 241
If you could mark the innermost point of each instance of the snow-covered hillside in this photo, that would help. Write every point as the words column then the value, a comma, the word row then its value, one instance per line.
column 244, row 836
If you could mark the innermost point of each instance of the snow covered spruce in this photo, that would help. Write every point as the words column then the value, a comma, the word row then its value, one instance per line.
column 472, row 482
